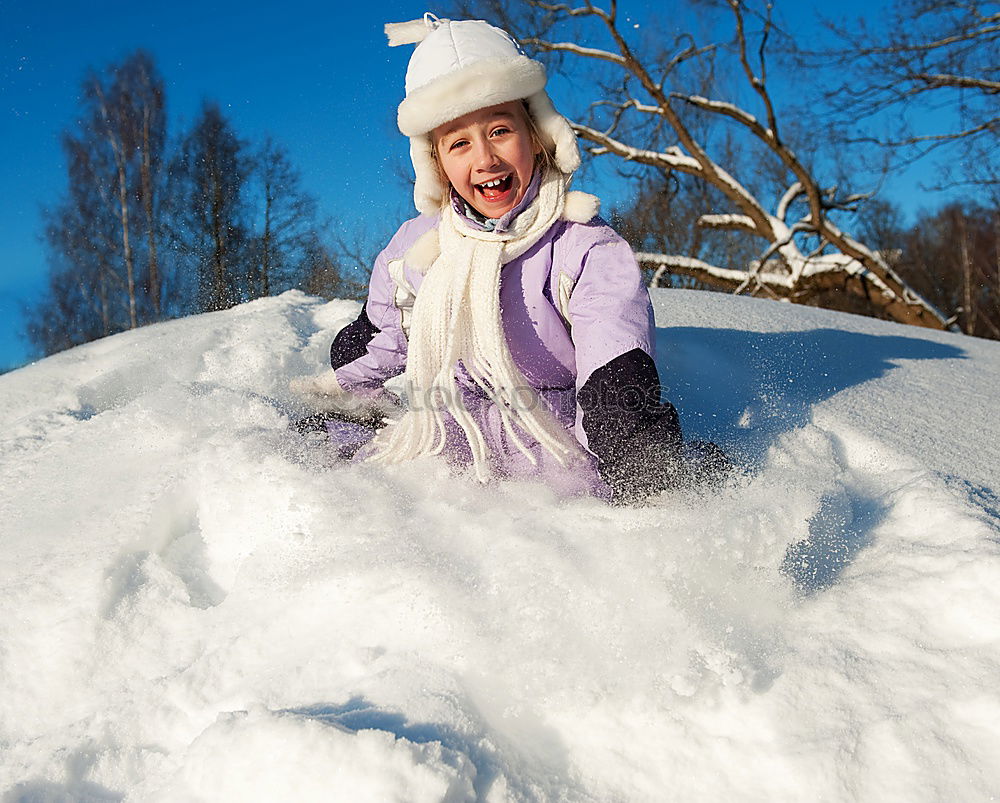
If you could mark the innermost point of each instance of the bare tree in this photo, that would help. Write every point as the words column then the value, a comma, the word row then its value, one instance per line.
column 102, row 237
column 78, row 303
column 148, row 131
column 287, row 221
column 208, row 213
column 141, row 235
column 126, row 115
column 325, row 273
column 932, row 56
column 652, row 115
column 953, row 257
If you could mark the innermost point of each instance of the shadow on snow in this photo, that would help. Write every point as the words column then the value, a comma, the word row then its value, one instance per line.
column 744, row 389
column 359, row 714
column 838, row 530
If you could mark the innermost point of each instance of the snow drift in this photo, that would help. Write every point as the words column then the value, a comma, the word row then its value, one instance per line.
column 196, row 604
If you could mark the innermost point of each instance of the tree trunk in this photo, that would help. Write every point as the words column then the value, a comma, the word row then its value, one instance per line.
column 969, row 299
column 265, row 263
column 126, row 243
column 219, row 247
column 147, row 204
column 118, row 150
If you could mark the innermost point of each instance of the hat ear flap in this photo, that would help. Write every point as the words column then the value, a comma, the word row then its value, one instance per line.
column 556, row 132
column 428, row 191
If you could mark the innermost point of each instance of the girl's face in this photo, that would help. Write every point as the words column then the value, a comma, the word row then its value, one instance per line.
column 488, row 156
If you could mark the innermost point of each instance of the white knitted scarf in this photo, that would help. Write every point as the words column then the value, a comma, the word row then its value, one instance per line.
column 456, row 319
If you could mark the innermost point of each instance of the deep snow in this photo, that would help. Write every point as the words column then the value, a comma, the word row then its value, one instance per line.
column 196, row 604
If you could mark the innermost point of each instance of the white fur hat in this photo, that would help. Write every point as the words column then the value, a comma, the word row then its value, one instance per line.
column 461, row 66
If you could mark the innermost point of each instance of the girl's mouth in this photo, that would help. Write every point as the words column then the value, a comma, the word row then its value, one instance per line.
column 496, row 189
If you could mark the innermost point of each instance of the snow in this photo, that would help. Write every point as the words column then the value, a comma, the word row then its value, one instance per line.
column 196, row 604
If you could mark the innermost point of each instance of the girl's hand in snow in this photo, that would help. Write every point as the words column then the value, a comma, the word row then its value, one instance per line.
column 323, row 393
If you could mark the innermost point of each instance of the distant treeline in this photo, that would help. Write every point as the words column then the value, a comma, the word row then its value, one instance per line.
column 154, row 227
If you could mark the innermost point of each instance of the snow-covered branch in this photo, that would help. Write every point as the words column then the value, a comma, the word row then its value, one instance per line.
column 722, row 278
column 571, row 47
column 730, row 110
column 669, row 159
column 731, row 222
column 790, row 195
column 823, row 273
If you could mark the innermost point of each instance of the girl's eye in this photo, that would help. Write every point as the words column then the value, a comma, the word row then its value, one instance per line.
column 458, row 143
column 500, row 131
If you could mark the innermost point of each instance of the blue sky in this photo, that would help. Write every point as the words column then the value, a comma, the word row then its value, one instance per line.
column 315, row 75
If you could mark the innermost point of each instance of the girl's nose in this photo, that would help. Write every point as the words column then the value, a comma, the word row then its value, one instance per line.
column 486, row 155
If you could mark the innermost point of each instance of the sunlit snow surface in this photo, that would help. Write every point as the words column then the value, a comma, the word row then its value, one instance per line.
column 196, row 604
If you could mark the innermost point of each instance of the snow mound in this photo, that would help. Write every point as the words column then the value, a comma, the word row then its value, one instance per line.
column 196, row 604
column 263, row 756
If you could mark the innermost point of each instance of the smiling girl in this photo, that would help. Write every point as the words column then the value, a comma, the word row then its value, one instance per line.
column 488, row 157
column 517, row 316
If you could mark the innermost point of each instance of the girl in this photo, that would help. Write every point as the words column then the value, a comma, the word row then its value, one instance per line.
column 517, row 316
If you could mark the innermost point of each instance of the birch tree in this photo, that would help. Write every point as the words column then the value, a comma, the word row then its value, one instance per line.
column 127, row 123
column 648, row 112
column 147, row 132
column 954, row 256
column 80, row 302
column 102, row 237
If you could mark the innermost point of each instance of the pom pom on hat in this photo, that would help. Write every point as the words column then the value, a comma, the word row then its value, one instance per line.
column 412, row 32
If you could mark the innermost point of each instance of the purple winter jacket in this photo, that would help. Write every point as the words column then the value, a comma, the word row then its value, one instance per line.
column 572, row 305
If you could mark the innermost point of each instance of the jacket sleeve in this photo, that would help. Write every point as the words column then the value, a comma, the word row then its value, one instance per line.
column 372, row 349
column 620, row 417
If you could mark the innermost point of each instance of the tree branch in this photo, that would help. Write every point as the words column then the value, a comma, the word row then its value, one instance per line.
column 938, row 80
column 855, row 267
column 756, row 82
column 728, row 222
column 570, row 47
